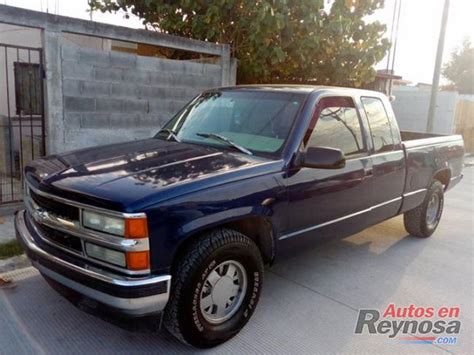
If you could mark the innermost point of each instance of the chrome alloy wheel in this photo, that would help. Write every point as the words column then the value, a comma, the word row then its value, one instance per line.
column 223, row 292
column 432, row 211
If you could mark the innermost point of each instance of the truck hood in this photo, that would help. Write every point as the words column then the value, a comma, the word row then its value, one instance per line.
column 134, row 175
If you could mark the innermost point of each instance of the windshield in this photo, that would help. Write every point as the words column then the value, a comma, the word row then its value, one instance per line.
column 256, row 121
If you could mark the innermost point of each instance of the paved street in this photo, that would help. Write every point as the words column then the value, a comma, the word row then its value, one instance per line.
column 309, row 304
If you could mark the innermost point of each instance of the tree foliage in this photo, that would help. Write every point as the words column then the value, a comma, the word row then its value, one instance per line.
column 276, row 40
column 460, row 69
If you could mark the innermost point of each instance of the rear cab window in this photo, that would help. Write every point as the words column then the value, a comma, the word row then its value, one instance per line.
column 382, row 132
column 337, row 126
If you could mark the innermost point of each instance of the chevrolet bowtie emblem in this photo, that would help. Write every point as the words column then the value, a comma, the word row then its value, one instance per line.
column 41, row 213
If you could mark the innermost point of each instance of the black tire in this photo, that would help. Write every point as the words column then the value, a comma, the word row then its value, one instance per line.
column 416, row 221
column 183, row 317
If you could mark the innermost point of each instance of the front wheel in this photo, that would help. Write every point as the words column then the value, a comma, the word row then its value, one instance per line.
column 215, row 288
column 422, row 221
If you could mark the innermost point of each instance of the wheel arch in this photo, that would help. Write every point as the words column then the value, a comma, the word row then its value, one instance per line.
column 257, row 228
column 443, row 176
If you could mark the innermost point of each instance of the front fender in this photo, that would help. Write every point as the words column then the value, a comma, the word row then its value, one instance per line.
column 177, row 220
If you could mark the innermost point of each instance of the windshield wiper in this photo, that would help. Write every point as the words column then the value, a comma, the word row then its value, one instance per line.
column 171, row 134
column 226, row 140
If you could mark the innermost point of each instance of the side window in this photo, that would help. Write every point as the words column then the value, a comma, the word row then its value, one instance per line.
column 337, row 126
column 379, row 124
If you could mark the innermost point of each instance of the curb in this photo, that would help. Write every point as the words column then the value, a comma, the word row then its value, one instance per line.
column 468, row 160
column 14, row 263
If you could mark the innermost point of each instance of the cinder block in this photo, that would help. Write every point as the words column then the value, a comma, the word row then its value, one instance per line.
column 150, row 92
column 124, row 120
column 159, row 78
column 123, row 60
column 211, row 69
column 136, row 77
column 167, row 65
column 74, row 70
column 95, row 120
column 94, row 56
column 108, row 105
column 175, row 106
column 189, row 67
column 108, row 74
column 72, row 120
column 180, row 93
column 166, row 108
column 155, row 121
column 171, row 79
column 124, row 90
column 139, row 106
column 72, row 87
column 95, row 88
column 79, row 104
column 69, row 52
column 148, row 63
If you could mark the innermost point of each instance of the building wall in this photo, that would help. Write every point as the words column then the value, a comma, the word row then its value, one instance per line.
column 411, row 110
column 20, row 136
column 113, row 96
column 96, row 95
column 10, row 140
column 30, row 37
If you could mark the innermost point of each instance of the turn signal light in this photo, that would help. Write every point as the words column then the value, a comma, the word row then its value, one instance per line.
column 136, row 228
column 138, row 260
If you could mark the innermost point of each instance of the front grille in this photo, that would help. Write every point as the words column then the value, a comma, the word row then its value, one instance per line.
column 57, row 208
column 65, row 240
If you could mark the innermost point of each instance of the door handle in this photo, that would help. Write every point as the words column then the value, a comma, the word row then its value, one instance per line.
column 369, row 171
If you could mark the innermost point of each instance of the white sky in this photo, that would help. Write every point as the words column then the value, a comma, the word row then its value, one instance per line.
column 417, row 38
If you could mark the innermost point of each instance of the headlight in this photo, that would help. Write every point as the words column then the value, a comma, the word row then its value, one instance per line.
column 107, row 255
column 103, row 223
column 130, row 226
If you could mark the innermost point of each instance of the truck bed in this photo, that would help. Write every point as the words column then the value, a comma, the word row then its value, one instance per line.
column 419, row 139
column 428, row 156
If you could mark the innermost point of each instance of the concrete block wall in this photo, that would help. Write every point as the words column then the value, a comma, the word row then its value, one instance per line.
column 95, row 96
column 411, row 110
column 112, row 96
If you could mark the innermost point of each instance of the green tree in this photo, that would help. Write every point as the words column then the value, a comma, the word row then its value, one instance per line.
column 299, row 41
column 460, row 69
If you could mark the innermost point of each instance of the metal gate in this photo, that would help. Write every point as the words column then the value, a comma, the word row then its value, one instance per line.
column 22, row 131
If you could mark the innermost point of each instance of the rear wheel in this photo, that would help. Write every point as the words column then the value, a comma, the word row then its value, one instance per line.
column 215, row 288
column 422, row 221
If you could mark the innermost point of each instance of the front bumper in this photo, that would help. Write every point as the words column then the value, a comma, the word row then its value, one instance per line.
column 129, row 296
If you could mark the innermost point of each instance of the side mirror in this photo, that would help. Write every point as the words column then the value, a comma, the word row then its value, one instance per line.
column 323, row 158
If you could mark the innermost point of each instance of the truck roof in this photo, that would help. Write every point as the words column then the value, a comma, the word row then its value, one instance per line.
column 301, row 88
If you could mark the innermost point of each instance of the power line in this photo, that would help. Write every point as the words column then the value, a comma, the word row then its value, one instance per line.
column 395, row 47
column 391, row 34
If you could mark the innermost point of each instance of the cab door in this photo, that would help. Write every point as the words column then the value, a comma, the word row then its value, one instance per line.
column 330, row 202
column 388, row 159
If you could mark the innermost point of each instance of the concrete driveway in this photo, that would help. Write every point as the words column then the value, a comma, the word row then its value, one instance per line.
column 309, row 304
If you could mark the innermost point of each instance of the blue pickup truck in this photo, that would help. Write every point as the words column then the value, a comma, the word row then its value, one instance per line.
column 178, row 228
